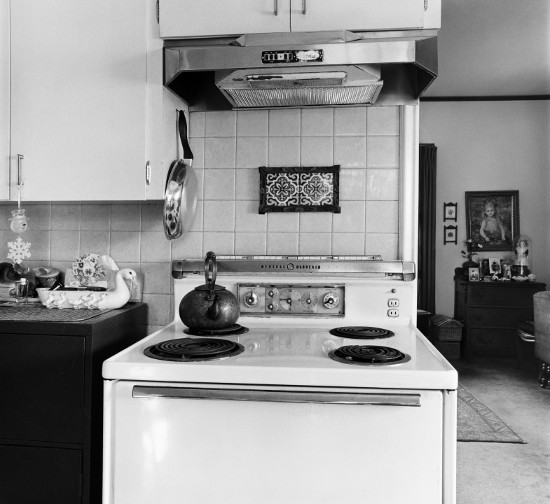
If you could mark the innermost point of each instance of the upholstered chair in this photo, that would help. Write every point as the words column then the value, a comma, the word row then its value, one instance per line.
column 541, row 304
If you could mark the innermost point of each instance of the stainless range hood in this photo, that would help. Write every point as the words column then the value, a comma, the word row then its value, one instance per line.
column 301, row 70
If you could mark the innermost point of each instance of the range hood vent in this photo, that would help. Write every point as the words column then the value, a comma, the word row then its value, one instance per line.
column 311, row 87
column 302, row 70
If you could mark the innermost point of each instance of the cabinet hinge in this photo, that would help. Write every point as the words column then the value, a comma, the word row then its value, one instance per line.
column 425, row 4
column 158, row 10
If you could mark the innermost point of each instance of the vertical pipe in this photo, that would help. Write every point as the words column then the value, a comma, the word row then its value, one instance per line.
column 408, row 211
column 408, row 197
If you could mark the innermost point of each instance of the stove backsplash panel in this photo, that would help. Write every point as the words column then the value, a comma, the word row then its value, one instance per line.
column 228, row 148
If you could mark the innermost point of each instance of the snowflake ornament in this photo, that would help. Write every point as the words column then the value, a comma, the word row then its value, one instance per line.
column 19, row 250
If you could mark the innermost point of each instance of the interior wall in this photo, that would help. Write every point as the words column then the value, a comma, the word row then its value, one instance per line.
column 489, row 146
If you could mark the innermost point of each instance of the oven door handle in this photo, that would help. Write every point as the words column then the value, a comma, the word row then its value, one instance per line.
column 367, row 398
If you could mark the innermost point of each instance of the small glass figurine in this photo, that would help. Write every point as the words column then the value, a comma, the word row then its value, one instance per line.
column 18, row 250
column 18, row 221
column 522, row 260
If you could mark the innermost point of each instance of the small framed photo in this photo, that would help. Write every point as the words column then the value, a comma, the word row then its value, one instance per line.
column 449, row 211
column 449, row 234
column 485, row 270
column 494, row 266
column 473, row 274
column 492, row 218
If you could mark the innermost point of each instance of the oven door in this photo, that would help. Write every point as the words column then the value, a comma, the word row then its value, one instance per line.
column 175, row 443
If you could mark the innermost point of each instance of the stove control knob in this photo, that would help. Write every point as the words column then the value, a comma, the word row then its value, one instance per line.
column 270, row 293
column 331, row 300
column 309, row 299
column 270, row 307
column 251, row 299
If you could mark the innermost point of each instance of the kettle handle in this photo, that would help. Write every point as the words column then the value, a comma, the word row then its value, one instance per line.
column 210, row 269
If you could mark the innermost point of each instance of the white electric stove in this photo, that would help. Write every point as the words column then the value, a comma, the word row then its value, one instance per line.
column 326, row 392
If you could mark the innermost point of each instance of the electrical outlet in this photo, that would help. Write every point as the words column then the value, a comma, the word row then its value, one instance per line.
column 393, row 313
column 393, row 302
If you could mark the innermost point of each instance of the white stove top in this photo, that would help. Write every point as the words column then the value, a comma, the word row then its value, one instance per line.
column 292, row 356
column 291, row 351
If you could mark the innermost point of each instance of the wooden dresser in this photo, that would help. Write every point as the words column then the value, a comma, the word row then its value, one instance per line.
column 490, row 312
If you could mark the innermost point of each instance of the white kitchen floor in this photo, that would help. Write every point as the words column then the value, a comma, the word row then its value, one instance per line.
column 502, row 473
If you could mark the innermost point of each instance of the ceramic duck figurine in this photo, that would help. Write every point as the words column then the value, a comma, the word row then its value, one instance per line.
column 117, row 297
column 56, row 301
column 96, row 300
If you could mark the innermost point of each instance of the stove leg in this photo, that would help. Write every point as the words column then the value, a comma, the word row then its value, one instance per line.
column 544, row 375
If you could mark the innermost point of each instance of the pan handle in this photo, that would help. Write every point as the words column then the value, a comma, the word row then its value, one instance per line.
column 182, row 130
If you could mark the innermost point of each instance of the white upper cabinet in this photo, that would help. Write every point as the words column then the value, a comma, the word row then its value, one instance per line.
column 161, row 114
column 4, row 101
column 361, row 15
column 202, row 18
column 199, row 18
column 78, row 99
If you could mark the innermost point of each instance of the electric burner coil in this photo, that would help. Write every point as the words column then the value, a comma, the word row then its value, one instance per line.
column 361, row 332
column 232, row 330
column 368, row 355
column 194, row 349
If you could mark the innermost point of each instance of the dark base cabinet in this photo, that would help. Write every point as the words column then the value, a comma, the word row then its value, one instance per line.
column 51, row 420
column 491, row 312
column 32, row 475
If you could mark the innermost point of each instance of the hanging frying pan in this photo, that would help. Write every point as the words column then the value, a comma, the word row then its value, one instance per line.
column 180, row 195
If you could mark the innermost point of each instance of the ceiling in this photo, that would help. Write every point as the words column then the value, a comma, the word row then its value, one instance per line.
column 493, row 48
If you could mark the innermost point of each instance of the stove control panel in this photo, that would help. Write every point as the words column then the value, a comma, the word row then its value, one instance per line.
column 285, row 299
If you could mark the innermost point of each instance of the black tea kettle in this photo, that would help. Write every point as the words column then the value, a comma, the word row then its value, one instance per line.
column 210, row 306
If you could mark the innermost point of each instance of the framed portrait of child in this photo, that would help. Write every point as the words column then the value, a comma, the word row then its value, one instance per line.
column 492, row 218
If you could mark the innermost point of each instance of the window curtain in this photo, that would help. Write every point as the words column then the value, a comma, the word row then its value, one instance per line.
column 426, row 227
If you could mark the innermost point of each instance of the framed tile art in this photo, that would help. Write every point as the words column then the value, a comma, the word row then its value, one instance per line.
column 299, row 189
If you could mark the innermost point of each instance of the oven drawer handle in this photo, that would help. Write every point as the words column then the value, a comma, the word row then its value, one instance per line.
column 379, row 399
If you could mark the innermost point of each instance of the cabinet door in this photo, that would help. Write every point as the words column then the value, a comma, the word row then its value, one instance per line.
column 42, row 380
column 200, row 18
column 30, row 475
column 162, row 106
column 315, row 15
column 78, row 83
column 4, row 100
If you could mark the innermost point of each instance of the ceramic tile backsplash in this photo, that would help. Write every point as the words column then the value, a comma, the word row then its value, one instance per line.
column 350, row 121
column 251, row 152
column 284, row 151
column 317, row 122
column 131, row 234
column 364, row 141
column 228, row 148
column 284, row 123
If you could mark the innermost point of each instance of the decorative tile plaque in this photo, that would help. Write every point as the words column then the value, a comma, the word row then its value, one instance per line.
column 299, row 189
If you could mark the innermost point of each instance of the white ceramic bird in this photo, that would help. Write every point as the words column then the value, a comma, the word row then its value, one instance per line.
column 60, row 301
column 76, row 303
column 117, row 297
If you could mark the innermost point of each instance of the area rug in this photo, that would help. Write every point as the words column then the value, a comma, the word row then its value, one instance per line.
column 476, row 422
